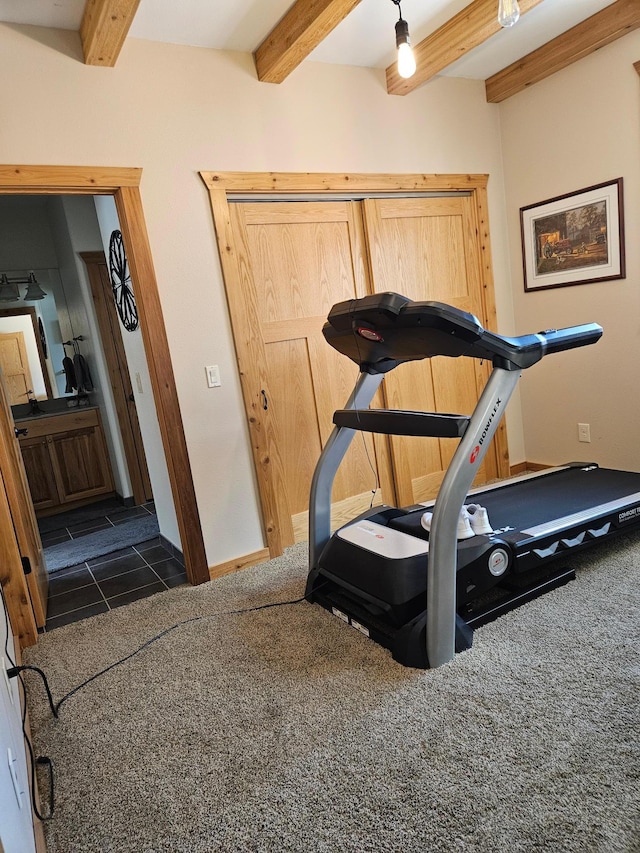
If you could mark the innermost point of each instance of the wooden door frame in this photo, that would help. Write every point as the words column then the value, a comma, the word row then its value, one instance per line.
column 222, row 185
column 124, row 185
column 116, row 362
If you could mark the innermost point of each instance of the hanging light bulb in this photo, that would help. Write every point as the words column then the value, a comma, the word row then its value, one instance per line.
column 508, row 12
column 406, row 59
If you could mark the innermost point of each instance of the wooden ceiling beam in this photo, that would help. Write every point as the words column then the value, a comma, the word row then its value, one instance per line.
column 600, row 29
column 301, row 30
column 472, row 26
column 104, row 28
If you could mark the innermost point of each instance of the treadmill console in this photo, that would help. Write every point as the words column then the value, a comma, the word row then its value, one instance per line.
column 380, row 332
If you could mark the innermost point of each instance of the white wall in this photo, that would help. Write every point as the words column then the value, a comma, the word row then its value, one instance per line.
column 107, row 218
column 26, row 242
column 75, row 229
column 176, row 110
column 27, row 245
column 579, row 128
column 16, row 829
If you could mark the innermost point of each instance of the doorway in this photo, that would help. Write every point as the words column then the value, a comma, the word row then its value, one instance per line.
column 70, row 324
column 119, row 376
column 123, row 185
column 292, row 245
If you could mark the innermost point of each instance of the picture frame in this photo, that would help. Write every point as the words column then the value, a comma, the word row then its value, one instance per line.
column 577, row 238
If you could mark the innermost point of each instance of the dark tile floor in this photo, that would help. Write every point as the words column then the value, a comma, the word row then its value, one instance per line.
column 110, row 581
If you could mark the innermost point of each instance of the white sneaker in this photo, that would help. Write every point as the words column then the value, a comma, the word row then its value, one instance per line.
column 479, row 519
column 465, row 531
column 425, row 520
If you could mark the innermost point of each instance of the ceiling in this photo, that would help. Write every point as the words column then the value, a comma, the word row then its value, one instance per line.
column 352, row 32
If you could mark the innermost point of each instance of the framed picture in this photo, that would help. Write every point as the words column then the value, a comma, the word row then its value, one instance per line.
column 574, row 239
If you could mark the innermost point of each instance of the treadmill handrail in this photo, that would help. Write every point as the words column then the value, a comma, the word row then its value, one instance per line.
column 526, row 350
column 380, row 332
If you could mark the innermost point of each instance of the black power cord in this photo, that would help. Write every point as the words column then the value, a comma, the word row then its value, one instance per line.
column 168, row 631
column 13, row 672
column 16, row 671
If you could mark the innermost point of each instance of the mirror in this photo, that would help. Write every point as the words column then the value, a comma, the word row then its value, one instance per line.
column 33, row 332
column 22, row 356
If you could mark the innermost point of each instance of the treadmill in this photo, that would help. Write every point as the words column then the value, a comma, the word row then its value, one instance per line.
column 420, row 594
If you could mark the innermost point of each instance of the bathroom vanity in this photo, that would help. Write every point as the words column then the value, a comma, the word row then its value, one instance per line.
column 65, row 458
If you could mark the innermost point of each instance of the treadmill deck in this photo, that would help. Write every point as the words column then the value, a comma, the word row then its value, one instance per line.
column 554, row 504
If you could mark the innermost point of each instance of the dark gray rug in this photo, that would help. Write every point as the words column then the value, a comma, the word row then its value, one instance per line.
column 109, row 506
column 286, row 730
column 102, row 542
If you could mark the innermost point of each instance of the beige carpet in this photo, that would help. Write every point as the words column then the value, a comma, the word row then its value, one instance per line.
column 286, row 730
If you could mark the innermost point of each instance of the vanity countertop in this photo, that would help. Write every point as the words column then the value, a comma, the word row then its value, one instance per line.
column 22, row 413
column 54, row 423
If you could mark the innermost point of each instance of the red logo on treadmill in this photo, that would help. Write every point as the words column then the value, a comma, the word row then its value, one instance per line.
column 370, row 334
column 474, row 455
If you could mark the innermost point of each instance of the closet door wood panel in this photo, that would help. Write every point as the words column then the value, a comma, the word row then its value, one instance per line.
column 297, row 260
column 427, row 249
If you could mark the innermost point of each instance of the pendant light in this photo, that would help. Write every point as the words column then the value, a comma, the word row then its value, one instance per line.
column 406, row 59
column 508, row 12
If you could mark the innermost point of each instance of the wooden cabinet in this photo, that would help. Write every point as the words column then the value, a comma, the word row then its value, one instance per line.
column 66, row 460
column 37, row 464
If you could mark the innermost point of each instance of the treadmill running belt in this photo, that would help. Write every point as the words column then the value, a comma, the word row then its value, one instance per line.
column 539, row 500
column 562, row 493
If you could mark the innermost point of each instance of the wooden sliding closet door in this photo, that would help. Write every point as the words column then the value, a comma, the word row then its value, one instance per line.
column 286, row 263
column 296, row 260
column 428, row 249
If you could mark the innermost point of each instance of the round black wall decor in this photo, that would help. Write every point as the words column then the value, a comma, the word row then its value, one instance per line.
column 121, row 283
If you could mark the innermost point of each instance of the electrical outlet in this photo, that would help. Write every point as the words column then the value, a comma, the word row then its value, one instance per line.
column 6, row 679
column 584, row 432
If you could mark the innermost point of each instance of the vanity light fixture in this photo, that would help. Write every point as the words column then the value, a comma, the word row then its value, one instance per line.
column 34, row 291
column 9, row 288
column 406, row 59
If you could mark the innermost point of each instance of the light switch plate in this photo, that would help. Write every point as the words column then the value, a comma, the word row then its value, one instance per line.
column 213, row 375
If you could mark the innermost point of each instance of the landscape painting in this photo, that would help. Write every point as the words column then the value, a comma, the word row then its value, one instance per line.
column 574, row 239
